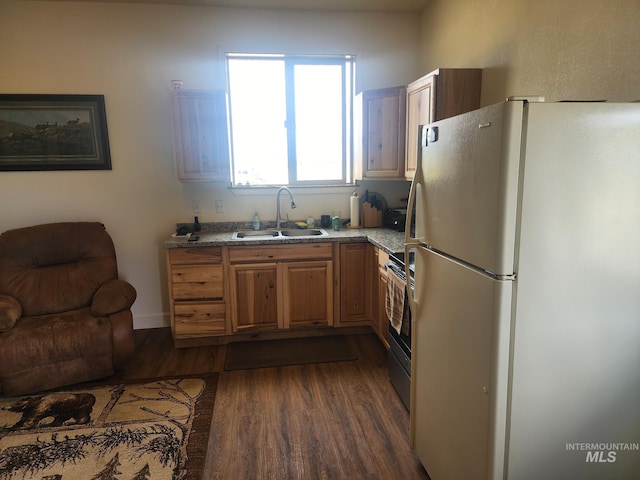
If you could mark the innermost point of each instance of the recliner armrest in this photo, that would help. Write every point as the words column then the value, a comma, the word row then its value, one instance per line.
column 113, row 296
column 10, row 312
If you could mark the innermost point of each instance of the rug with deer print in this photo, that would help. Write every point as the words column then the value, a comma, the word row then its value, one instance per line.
column 148, row 429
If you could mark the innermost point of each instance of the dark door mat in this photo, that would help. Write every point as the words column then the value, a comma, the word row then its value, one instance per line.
column 292, row 351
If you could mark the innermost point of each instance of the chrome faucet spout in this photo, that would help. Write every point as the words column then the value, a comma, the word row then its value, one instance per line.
column 293, row 204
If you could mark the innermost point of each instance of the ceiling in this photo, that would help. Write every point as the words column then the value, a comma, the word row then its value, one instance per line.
column 351, row 5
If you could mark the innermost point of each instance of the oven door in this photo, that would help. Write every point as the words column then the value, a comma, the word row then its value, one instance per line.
column 399, row 357
column 401, row 335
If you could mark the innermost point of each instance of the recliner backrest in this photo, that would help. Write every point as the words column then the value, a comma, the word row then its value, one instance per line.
column 56, row 267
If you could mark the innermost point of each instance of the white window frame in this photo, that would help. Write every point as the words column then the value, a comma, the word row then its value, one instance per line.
column 348, row 87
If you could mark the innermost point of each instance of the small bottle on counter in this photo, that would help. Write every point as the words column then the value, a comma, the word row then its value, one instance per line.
column 196, row 225
column 256, row 222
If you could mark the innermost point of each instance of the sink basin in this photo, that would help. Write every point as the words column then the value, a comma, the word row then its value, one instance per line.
column 272, row 234
column 256, row 234
column 312, row 232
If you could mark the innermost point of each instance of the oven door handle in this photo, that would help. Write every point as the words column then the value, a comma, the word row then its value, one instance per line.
column 395, row 268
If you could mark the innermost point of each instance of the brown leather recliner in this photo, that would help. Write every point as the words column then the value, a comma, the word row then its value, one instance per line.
column 65, row 316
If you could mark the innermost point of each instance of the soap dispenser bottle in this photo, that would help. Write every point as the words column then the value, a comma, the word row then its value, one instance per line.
column 256, row 222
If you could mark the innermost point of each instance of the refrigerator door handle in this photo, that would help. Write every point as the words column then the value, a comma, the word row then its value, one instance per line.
column 415, row 193
column 415, row 196
column 410, row 291
column 408, row 239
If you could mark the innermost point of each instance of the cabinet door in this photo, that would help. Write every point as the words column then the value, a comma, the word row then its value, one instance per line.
column 355, row 284
column 201, row 135
column 380, row 321
column 380, row 140
column 440, row 94
column 255, row 297
column 308, row 293
column 420, row 111
column 457, row 91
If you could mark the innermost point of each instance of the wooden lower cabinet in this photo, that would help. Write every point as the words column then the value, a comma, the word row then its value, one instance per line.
column 308, row 294
column 355, row 284
column 199, row 318
column 380, row 322
column 197, row 297
column 283, row 292
column 255, row 297
column 226, row 291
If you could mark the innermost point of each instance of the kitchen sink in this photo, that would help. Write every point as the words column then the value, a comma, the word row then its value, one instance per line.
column 256, row 234
column 311, row 232
column 273, row 234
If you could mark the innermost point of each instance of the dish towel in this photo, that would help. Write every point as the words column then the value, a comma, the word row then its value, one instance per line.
column 394, row 303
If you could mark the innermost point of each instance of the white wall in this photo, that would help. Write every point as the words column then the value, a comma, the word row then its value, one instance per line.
column 129, row 53
column 561, row 49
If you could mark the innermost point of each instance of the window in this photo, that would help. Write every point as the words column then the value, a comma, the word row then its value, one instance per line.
column 290, row 119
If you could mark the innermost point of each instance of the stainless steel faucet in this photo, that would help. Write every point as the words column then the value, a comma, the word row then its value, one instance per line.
column 293, row 204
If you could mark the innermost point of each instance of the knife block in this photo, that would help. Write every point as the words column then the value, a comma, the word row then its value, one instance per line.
column 371, row 216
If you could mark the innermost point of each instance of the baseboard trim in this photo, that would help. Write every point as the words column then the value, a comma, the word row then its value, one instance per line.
column 159, row 320
column 269, row 335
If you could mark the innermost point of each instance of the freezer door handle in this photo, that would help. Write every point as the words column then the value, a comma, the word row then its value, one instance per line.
column 416, row 197
column 410, row 204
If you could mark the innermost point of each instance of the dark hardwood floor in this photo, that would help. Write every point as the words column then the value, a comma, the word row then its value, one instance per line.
column 338, row 420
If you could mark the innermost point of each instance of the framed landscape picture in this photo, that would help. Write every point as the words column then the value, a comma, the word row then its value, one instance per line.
column 53, row 132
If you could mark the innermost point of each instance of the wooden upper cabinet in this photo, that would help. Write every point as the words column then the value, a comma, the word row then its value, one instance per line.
column 379, row 133
column 443, row 93
column 201, row 135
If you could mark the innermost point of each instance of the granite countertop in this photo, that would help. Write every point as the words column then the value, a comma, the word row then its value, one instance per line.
column 389, row 240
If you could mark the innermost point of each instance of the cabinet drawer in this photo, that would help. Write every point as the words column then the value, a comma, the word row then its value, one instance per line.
column 197, row 281
column 198, row 319
column 195, row 291
column 195, row 255
column 271, row 253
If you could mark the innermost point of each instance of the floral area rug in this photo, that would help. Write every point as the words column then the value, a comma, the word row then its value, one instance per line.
column 150, row 429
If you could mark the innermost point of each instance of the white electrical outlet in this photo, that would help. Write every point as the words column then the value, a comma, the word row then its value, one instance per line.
column 219, row 206
column 196, row 206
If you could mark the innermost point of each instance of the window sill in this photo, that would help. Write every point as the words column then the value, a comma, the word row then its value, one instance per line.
column 303, row 189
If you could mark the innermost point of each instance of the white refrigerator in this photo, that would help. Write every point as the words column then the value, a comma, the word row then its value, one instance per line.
column 526, row 311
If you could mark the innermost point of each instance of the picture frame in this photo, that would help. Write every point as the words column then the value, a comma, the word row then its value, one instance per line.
column 53, row 132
